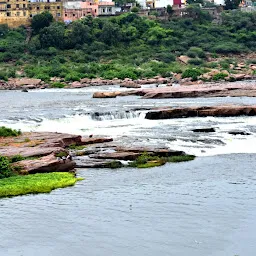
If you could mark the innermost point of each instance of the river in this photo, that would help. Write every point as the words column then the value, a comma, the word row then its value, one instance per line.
column 203, row 207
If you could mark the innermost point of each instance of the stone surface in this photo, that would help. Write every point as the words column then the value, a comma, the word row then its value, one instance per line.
column 218, row 111
column 87, row 141
column 48, row 163
column 117, row 156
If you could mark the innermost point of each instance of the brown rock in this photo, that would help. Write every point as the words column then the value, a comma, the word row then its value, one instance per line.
column 220, row 111
column 184, row 59
column 87, row 141
column 117, row 156
column 104, row 95
column 48, row 163
column 130, row 84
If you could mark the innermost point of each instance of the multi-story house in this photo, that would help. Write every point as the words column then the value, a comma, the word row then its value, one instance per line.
column 19, row 12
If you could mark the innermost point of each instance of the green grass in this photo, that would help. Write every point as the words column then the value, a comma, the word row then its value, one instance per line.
column 35, row 183
column 76, row 147
column 148, row 161
column 151, row 164
column 8, row 132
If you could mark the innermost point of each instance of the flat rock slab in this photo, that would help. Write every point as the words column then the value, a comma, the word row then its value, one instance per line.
column 153, row 151
column 37, row 144
column 117, row 156
column 218, row 111
column 87, row 141
column 85, row 162
column 45, row 164
column 30, row 151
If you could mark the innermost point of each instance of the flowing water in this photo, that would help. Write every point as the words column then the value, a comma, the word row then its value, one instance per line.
column 203, row 207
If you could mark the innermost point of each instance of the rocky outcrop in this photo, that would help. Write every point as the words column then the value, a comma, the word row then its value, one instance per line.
column 88, row 141
column 45, row 164
column 47, row 149
column 217, row 111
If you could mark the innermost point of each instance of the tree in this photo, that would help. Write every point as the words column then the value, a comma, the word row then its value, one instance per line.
column 232, row 4
column 52, row 36
column 195, row 2
column 169, row 10
column 41, row 21
column 110, row 34
column 135, row 9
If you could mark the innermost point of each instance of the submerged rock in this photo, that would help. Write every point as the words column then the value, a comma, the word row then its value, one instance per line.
column 237, row 132
column 204, row 130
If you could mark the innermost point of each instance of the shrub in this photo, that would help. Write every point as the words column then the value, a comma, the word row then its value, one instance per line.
column 219, row 76
column 58, row 85
column 191, row 72
column 16, row 158
column 8, row 132
column 74, row 76
column 196, row 62
column 5, row 168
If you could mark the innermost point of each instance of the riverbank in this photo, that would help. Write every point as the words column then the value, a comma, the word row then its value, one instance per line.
column 26, row 83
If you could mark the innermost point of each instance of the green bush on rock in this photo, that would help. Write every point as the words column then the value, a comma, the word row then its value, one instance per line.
column 5, row 168
column 8, row 132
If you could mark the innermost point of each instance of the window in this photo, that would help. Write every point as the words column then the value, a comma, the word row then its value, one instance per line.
column 66, row 15
column 74, row 15
column 109, row 9
column 17, row 6
column 103, row 10
column 18, row 13
column 24, row 6
column 38, row 8
column 30, row 15
column 8, row 6
column 58, row 7
column 24, row 13
column 58, row 14
column 8, row 14
column 95, row 10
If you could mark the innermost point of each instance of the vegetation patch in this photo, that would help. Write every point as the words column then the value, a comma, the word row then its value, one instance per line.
column 5, row 168
column 148, row 161
column 76, row 147
column 35, row 183
column 114, row 165
column 8, row 132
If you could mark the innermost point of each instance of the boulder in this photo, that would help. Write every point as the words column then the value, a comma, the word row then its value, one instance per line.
column 220, row 111
column 87, row 141
column 238, row 76
column 77, row 84
column 237, row 132
column 105, row 95
column 130, row 84
column 117, row 156
column 204, row 130
column 26, row 81
column 48, row 163
column 184, row 59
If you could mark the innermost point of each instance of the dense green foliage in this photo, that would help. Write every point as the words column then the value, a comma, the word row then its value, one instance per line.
column 148, row 161
column 122, row 46
column 5, row 168
column 8, row 132
column 36, row 183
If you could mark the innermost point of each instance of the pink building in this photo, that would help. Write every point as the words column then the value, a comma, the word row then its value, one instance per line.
column 78, row 9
